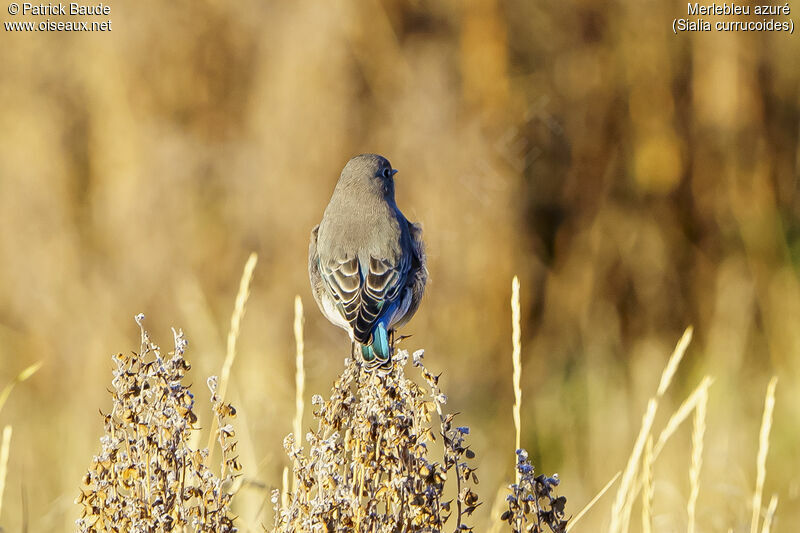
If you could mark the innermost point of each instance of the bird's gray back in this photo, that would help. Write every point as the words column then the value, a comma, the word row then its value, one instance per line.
column 363, row 227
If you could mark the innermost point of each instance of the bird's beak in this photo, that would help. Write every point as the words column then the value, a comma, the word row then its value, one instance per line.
column 394, row 171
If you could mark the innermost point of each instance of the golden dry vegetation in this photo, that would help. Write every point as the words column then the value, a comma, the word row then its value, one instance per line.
column 637, row 182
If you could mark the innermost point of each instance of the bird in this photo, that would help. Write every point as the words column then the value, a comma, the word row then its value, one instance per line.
column 366, row 261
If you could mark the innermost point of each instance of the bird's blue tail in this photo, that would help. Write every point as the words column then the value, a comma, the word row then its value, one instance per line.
column 377, row 352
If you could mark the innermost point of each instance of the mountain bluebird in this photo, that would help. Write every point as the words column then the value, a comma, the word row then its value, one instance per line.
column 366, row 262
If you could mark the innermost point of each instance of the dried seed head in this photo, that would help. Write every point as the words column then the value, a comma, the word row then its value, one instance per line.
column 368, row 466
column 532, row 505
column 146, row 477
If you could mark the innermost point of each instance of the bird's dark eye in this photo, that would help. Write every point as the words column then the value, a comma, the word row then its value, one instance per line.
column 387, row 172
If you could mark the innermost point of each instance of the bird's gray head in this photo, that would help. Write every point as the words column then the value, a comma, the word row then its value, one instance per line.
column 369, row 173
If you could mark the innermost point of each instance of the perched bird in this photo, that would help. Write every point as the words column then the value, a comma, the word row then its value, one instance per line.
column 366, row 262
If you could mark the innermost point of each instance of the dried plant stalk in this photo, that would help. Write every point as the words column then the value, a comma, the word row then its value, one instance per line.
column 516, row 335
column 698, row 434
column 682, row 413
column 532, row 504
column 626, row 492
column 771, row 508
column 369, row 464
column 300, row 375
column 146, row 476
column 675, row 421
column 763, row 448
column 495, row 526
column 593, row 501
column 233, row 335
column 648, row 492
column 22, row 376
column 5, row 448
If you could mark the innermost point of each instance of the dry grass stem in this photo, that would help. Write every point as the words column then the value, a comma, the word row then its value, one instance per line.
column 285, row 487
column 771, row 508
column 627, row 510
column 591, row 503
column 516, row 335
column 22, row 376
column 236, row 322
column 677, row 418
column 299, row 377
column 497, row 506
column 763, row 448
column 5, row 448
column 532, row 504
column 625, row 493
column 233, row 335
column 674, row 361
column 682, row 413
column 698, row 434
column 648, row 487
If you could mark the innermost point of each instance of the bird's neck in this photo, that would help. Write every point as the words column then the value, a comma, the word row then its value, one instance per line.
column 370, row 196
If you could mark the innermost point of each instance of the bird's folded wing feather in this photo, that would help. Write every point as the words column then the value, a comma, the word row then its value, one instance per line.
column 363, row 292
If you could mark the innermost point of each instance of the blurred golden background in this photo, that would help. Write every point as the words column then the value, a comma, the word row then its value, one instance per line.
column 636, row 181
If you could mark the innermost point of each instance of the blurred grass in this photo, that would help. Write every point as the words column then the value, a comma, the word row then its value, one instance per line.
column 637, row 182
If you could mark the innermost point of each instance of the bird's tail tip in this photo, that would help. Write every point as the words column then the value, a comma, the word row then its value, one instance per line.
column 377, row 353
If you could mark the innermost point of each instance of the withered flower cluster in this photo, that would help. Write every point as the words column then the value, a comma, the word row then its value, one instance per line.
column 370, row 464
column 147, row 477
column 532, row 504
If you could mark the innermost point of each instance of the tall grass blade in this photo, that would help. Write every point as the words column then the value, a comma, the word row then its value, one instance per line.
column 516, row 335
column 497, row 506
column 593, row 501
column 773, row 505
column 233, row 335
column 626, row 492
column 681, row 414
column 22, row 376
column 674, row 361
column 285, row 487
column 763, row 448
column 299, row 377
column 698, row 434
column 647, row 484
column 5, row 447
